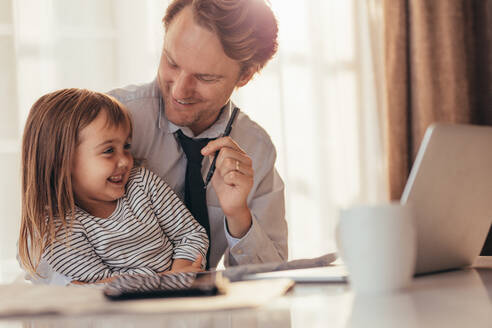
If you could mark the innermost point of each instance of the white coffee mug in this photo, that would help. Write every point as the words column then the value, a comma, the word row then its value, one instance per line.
column 377, row 243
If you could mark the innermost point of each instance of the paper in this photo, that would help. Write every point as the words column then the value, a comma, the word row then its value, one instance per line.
column 238, row 272
column 41, row 300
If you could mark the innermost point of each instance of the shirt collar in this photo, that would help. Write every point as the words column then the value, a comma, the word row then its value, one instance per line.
column 212, row 132
column 161, row 119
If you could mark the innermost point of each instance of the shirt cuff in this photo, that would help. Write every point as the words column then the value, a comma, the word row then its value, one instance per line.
column 47, row 276
column 250, row 248
column 232, row 241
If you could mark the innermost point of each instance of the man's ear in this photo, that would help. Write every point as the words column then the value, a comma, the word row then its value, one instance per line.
column 245, row 77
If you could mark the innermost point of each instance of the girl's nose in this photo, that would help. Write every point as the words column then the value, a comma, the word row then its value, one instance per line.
column 124, row 160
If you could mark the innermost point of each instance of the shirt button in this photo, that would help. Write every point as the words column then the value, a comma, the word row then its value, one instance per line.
column 239, row 251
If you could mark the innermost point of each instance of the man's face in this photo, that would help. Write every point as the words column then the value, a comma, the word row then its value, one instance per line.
column 196, row 77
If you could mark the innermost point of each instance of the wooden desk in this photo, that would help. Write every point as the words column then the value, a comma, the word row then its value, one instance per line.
column 460, row 298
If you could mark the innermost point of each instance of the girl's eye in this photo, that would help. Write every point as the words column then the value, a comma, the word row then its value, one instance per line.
column 110, row 150
column 127, row 146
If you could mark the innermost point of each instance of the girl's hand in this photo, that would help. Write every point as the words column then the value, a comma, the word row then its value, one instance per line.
column 102, row 281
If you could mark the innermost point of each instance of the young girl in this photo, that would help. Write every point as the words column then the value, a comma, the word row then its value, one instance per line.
column 86, row 209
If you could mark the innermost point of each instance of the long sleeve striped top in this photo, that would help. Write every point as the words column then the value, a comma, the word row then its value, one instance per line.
column 148, row 229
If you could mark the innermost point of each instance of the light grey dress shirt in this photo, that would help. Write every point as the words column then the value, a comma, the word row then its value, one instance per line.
column 154, row 141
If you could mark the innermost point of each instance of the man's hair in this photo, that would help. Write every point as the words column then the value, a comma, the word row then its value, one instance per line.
column 49, row 142
column 247, row 29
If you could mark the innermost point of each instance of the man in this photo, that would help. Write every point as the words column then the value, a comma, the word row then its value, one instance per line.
column 212, row 47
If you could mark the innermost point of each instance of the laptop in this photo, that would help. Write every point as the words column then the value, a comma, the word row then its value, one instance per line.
column 450, row 189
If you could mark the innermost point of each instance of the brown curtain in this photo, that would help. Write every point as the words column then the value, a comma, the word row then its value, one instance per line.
column 438, row 68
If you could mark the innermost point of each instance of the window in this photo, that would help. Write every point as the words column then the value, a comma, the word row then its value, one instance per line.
column 317, row 100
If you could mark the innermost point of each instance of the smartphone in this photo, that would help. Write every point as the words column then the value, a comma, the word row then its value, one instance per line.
column 182, row 284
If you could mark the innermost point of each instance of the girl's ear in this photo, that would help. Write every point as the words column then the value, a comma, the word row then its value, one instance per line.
column 245, row 77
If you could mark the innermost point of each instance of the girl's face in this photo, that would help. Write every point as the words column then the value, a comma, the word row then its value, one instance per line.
column 101, row 166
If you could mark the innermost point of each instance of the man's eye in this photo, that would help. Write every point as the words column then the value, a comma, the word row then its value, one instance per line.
column 171, row 64
column 127, row 146
column 110, row 150
column 207, row 78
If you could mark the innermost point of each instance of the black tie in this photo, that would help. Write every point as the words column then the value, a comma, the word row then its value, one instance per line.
column 195, row 197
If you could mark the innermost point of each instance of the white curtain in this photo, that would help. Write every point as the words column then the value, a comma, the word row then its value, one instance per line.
column 320, row 101
column 318, row 98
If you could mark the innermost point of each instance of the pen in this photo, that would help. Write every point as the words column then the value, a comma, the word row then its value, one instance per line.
column 227, row 131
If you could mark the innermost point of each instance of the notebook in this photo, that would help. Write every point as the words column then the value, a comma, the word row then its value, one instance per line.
column 331, row 273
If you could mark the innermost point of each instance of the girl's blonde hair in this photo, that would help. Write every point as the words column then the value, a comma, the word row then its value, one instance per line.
column 48, row 148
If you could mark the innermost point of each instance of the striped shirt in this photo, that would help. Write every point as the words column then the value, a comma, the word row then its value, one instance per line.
column 148, row 229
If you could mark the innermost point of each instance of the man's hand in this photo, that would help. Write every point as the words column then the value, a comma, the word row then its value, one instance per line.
column 181, row 265
column 232, row 181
